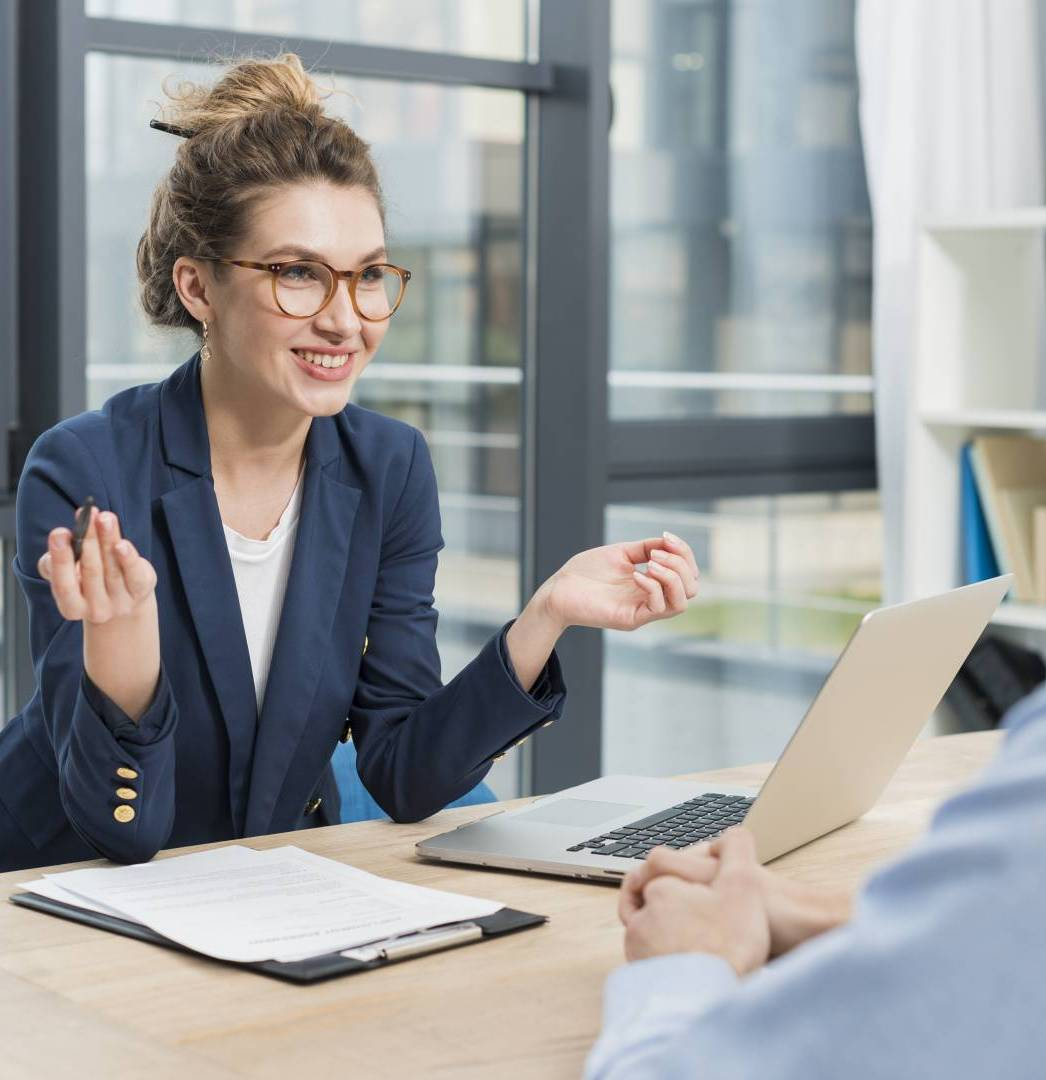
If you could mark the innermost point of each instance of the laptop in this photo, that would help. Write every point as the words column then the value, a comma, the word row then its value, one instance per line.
column 881, row 691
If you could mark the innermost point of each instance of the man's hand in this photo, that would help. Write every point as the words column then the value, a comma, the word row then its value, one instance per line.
column 795, row 911
column 725, row 917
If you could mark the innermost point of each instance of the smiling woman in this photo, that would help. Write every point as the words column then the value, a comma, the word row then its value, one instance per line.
column 258, row 581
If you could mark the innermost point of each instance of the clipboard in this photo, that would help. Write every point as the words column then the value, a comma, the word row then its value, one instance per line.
column 316, row 968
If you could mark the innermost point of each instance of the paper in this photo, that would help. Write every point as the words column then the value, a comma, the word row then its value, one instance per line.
column 48, row 887
column 56, row 892
column 285, row 904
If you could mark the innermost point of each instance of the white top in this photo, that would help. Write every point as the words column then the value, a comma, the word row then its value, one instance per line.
column 261, row 568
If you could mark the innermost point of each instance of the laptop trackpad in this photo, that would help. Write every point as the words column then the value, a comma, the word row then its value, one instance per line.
column 578, row 812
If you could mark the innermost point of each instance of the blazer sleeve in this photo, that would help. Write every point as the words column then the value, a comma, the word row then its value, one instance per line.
column 420, row 744
column 89, row 735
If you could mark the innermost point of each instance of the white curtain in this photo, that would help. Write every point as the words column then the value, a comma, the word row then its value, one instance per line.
column 951, row 125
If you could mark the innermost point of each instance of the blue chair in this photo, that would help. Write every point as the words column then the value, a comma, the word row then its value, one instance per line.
column 356, row 801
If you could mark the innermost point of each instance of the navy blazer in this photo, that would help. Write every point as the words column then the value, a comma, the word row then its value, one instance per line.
column 355, row 649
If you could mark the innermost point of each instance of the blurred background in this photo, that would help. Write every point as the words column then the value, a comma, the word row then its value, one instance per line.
column 631, row 311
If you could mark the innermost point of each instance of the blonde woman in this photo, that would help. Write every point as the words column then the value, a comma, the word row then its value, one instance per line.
column 256, row 580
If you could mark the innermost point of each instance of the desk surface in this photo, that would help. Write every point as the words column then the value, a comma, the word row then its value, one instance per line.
column 76, row 1001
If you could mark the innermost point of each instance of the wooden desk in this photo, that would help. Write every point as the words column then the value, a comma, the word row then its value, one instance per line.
column 78, row 1002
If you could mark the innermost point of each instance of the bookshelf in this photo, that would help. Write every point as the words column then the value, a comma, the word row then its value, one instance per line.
column 980, row 294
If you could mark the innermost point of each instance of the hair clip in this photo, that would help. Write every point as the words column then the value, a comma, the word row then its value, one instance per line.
column 173, row 129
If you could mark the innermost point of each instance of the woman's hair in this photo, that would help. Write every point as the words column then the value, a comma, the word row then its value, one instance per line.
column 259, row 128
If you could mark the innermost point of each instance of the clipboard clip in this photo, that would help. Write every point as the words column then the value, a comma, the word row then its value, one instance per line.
column 424, row 941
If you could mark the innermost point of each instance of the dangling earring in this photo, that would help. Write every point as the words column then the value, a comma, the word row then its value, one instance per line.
column 205, row 352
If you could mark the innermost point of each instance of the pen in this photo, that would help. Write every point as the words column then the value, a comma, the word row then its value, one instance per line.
column 81, row 525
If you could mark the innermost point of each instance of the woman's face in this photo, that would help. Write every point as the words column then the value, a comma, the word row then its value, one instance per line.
column 263, row 350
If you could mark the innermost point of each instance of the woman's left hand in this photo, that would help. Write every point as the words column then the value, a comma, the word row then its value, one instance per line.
column 604, row 588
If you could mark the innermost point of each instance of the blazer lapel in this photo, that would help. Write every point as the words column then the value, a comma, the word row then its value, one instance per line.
column 206, row 572
column 195, row 527
column 321, row 553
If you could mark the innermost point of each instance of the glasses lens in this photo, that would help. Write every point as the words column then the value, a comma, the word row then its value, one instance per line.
column 302, row 287
column 378, row 291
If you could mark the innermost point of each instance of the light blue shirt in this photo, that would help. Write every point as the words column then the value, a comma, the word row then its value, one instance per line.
column 940, row 973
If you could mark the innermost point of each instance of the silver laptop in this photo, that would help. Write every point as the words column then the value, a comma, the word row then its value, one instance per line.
column 883, row 689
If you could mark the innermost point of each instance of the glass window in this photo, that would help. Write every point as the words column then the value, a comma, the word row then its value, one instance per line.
column 491, row 28
column 451, row 163
column 740, row 222
column 784, row 582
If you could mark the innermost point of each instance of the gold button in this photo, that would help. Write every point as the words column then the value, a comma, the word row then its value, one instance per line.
column 126, row 793
column 124, row 814
column 521, row 741
column 366, row 642
column 313, row 805
column 497, row 757
column 548, row 723
column 346, row 735
column 124, row 773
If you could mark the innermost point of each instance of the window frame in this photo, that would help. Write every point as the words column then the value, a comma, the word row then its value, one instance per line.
column 575, row 460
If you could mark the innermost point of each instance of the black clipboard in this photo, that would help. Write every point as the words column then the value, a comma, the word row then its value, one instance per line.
column 330, row 965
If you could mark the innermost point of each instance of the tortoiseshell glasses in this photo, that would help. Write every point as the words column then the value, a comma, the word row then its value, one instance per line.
column 303, row 288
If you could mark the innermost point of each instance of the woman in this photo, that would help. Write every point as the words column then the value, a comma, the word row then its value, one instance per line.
column 256, row 581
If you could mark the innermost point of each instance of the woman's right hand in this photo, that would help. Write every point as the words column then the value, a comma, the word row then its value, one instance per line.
column 109, row 582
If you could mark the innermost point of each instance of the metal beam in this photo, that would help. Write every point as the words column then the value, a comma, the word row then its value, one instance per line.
column 669, row 489
column 566, row 372
column 52, row 246
column 740, row 445
column 193, row 43
column 8, row 231
column 51, row 336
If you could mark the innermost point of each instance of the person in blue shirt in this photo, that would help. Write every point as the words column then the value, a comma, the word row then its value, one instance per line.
column 937, row 973
column 256, row 581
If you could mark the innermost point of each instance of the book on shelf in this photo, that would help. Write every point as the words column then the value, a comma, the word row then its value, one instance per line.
column 1009, row 474
column 978, row 554
column 990, row 509
column 1018, row 507
column 1039, row 534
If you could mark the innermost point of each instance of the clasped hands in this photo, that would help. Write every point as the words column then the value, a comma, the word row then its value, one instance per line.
column 716, row 898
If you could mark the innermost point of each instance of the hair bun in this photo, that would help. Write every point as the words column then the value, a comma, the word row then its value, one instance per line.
column 260, row 128
column 250, row 87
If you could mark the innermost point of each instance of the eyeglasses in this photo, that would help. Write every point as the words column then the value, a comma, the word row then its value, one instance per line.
column 304, row 288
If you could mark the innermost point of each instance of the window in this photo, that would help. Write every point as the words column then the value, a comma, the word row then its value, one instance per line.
column 493, row 28
column 740, row 221
column 785, row 581
column 715, row 377
column 740, row 360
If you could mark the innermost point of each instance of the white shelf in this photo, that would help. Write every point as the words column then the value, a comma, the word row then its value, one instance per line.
column 1023, row 616
column 1027, row 217
column 980, row 291
column 1014, row 419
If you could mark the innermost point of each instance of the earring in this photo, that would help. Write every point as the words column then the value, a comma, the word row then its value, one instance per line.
column 205, row 352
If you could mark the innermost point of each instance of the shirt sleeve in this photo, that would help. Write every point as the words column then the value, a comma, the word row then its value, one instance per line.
column 938, row 974
column 650, row 1004
column 548, row 689
column 122, row 727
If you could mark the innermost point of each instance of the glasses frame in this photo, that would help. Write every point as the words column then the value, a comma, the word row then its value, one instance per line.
column 350, row 277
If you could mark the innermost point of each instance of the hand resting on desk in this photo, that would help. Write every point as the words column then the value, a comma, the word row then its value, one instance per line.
column 716, row 898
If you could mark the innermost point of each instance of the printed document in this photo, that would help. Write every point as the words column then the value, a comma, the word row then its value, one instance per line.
column 236, row 903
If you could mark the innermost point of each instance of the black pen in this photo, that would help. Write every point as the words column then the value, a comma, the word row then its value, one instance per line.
column 81, row 525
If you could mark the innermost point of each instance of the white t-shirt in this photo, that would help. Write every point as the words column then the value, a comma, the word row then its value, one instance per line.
column 261, row 568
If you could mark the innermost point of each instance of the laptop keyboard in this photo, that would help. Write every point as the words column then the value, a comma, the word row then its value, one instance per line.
column 677, row 827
